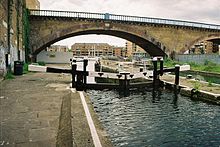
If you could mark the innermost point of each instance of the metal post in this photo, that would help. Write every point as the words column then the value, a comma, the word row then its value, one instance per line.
column 85, row 63
column 73, row 60
column 126, row 86
column 161, row 67
column 177, row 74
column 73, row 75
column 155, row 71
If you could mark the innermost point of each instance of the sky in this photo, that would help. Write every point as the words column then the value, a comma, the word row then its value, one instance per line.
column 206, row 11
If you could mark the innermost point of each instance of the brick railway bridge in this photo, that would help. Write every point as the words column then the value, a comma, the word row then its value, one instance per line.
column 157, row 36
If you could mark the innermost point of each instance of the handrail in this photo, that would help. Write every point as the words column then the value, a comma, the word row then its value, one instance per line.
column 114, row 17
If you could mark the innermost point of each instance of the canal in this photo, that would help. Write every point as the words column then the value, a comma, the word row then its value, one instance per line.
column 159, row 118
column 206, row 78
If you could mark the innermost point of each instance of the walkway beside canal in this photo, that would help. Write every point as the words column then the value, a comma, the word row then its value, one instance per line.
column 192, row 83
column 37, row 109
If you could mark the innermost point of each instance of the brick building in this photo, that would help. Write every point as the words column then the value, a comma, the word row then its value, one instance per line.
column 205, row 47
column 92, row 49
column 58, row 48
column 133, row 50
column 118, row 51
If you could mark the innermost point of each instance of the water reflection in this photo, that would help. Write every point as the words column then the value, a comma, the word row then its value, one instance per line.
column 158, row 118
column 175, row 98
column 156, row 95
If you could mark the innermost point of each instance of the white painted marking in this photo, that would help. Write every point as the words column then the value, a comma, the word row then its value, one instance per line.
column 114, row 75
column 37, row 68
column 93, row 131
column 2, row 143
column 184, row 67
column 73, row 90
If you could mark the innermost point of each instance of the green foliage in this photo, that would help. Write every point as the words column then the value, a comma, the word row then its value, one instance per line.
column 207, row 66
column 9, row 75
column 42, row 63
column 210, row 66
column 193, row 64
column 168, row 62
column 210, row 83
column 209, row 63
column 25, row 68
column 196, row 85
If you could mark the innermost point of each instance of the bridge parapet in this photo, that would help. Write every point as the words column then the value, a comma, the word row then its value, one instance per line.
column 124, row 18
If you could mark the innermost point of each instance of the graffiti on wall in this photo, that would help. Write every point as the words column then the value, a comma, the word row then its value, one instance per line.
column 2, row 61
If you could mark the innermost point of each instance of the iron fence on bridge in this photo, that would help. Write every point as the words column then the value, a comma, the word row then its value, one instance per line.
column 113, row 17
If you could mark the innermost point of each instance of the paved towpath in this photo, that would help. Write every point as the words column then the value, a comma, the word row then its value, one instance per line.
column 31, row 113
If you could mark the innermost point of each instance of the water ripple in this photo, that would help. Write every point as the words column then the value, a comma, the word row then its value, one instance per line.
column 157, row 119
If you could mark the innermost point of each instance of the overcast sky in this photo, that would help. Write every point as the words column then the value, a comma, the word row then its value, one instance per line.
column 207, row 11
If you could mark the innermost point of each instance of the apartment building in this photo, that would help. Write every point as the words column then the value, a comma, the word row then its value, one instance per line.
column 135, row 51
column 118, row 51
column 57, row 48
column 92, row 49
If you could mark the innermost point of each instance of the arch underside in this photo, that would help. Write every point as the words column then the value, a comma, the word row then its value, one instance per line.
column 215, row 38
column 148, row 46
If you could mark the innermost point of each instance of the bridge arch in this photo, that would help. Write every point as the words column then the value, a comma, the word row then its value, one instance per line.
column 41, row 40
column 209, row 37
column 155, row 35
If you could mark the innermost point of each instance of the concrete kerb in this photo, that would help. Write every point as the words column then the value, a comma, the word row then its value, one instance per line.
column 93, row 131
column 195, row 94
column 201, row 95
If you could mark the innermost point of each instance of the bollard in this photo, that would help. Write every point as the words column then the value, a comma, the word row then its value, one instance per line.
column 124, row 84
column 161, row 66
column 73, row 75
column 141, row 69
column 177, row 74
column 73, row 60
column 85, row 63
column 155, row 71
column 79, row 82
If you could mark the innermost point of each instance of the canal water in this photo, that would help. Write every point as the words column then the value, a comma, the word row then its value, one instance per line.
column 159, row 118
column 206, row 78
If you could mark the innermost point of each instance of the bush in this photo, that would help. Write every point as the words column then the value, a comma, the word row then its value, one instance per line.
column 206, row 66
column 196, row 85
column 209, row 63
column 25, row 68
column 210, row 83
column 42, row 63
column 170, row 63
column 9, row 75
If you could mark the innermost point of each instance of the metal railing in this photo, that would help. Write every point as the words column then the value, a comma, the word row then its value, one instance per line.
column 113, row 17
